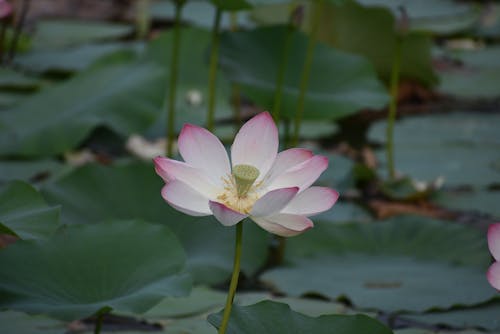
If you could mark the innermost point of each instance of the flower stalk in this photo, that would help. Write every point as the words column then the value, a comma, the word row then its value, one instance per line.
column 391, row 117
column 174, row 67
column 234, row 278
column 214, row 60
column 402, row 26
column 306, row 70
column 25, row 6
column 143, row 19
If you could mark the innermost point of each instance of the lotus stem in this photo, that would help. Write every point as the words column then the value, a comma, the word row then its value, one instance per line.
column 306, row 71
column 174, row 68
column 280, row 78
column 143, row 19
column 18, row 29
column 234, row 278
column 391, row 117
column 212, row 80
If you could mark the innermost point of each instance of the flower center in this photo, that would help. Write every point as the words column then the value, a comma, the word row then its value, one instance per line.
column 239, row 189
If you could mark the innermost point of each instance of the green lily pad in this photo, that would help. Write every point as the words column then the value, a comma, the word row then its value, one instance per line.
column 440, row 17
column 30, row 171
column 21, row 323
column 13, row 80
column 70, row 59
column 476, row 77
column 125, row 265
column 482, row 201
column 62, row 33
column 192, row 79
column 24, row 212
column 463, row 148
column 483, row 316
column 123, row 95
column 369, row 31
column 198, row 13
column 128, row 191
column 271, row 317
column 341, row 83
column 408, row 263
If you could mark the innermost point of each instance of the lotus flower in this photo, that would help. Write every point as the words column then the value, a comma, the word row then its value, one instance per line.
column 494, row 245
column 272, row 189
column 5, row 9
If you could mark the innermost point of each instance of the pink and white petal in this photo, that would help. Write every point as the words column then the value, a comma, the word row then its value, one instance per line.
column 226, row 216
column 312, row 201
column 256, row 144
column 170, row 170
column 493, row 275
column 494, row 240
column 284, row 225
column 286, row 160
column 273, row 202
column 201, row 149
column 302, row 175
column 185, row 199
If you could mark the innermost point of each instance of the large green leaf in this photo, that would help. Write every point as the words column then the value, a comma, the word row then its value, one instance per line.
column 30, row 170
column 407, row 264
column 274, row 318
column 482, row 201
column 128, row 191
column 341, row 83
column 13, row 80
column 197, row 13
column 69, row 59
column 125, row 265
column 192, row 78
column 62, row 33
column 463, row 148
column 437, row 16
column 475, row 74
column 369, row 31
column 21, row 323
column 24, row 212
column 124, row 95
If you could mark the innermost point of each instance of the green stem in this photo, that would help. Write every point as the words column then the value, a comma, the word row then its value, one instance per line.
column 391, row 117
column 98, row 322
column 214, row 59
column 280, row 78
column 18, row 29
column 235, row 87
column 234, row 278
column 143, row 19
column 306, row 71
column 174, row 68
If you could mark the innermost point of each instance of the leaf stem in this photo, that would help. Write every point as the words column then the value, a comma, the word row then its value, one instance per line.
column 214, row 59
column 234, row 278
column 143, row 19
column 98, row 322
column 306, row 71
column 280, row 78
column 391, row 117
column 174, row 68
column 18, row 29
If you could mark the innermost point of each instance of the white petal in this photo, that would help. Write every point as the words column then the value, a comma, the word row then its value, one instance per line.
column 302, row 175
column 312, row 201
column 226, row 216
column 494, row 240
column 185, row 199
column 273, row 202
column 256, row 144
column 170, row 170
column 286, row 160
column 201, row 149
column 493, row 275
column 285, row 225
